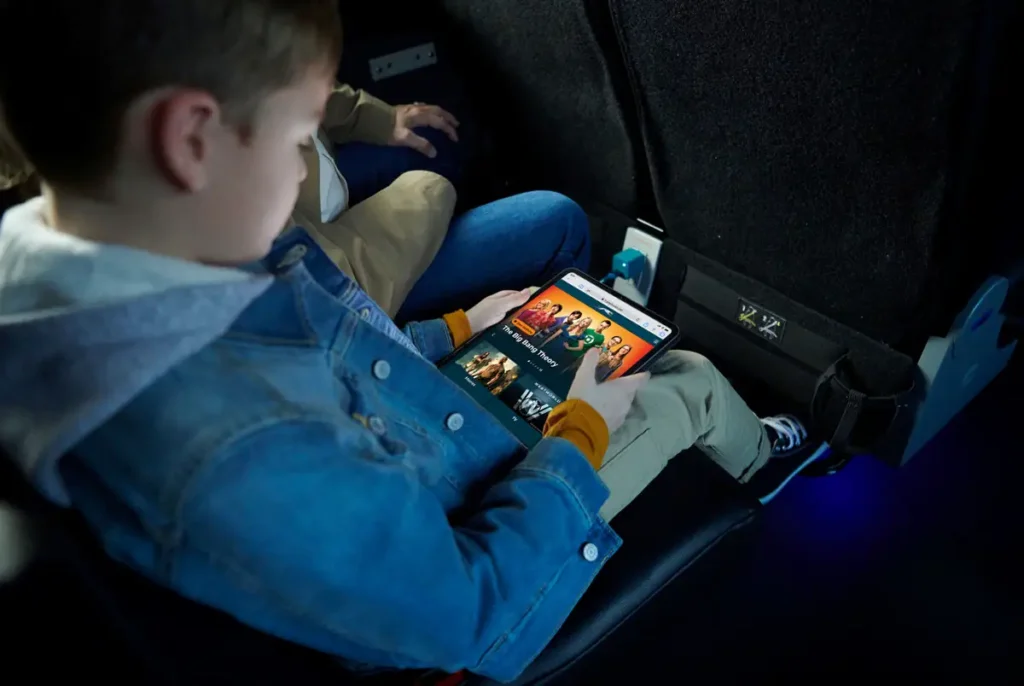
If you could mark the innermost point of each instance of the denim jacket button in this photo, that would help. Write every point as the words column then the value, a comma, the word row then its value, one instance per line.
column 455, row 422
column 365, row 313
column 590, row 552
column 293, row 256
column 377, row 426
column 381, row 370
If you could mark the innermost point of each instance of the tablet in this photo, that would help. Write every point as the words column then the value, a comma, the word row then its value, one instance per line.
column 522, row 368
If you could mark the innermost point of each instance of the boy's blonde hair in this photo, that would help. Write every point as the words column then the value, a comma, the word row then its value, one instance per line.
column 83, row 62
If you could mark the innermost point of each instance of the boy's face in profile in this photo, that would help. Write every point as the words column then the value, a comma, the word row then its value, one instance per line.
column 242, row 185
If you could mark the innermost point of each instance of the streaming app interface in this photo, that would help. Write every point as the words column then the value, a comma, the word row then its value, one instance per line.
column 523, row 368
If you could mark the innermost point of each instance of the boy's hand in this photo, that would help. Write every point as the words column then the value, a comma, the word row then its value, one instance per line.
column 611, row 399
column 493, row 309
column 409, row 117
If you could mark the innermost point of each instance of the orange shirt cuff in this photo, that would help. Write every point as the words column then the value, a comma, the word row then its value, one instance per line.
column 580, row 424
column 458, row 325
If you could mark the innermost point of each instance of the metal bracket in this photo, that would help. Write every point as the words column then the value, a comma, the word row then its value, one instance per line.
column 403, row 61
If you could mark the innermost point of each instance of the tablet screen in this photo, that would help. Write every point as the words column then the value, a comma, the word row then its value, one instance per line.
column 523, row 368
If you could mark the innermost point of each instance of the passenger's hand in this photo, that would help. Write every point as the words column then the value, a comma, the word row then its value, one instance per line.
column 409, row 117
column 493, row 309
column 611, row 399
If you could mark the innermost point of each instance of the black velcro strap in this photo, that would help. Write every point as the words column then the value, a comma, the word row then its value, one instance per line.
column 854, row 405
column 857, row 422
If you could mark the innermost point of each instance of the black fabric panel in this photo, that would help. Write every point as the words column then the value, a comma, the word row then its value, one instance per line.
column 805, row 145
column 879, row 368
column 537, row 68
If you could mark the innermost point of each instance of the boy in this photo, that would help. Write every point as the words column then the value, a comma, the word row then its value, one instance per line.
column 265, row 439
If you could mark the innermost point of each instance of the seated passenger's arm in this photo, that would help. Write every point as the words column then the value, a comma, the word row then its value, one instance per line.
column 315, row 524
column 438, row 337
column 355, row 115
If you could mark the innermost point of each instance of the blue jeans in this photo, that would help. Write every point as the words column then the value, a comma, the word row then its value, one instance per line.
column 512, row 243
column 369, row 169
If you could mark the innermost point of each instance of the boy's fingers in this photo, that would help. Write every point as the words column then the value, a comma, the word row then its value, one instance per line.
column 589, row 363
column 633, row 382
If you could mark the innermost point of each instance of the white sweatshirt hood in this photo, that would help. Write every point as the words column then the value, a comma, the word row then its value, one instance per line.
column 85, row 327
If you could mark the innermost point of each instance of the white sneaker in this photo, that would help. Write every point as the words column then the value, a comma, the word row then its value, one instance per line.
column 787, row 433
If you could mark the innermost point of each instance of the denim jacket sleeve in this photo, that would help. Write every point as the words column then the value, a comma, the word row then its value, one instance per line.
column 432, row 338
column 338, row 545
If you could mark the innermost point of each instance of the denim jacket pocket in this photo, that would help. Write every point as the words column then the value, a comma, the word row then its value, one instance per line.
column 403, row 439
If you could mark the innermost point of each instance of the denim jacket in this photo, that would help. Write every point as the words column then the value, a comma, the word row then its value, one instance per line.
column 310, row 472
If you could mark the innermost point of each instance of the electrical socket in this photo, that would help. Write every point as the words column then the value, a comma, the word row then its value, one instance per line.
column 650, row 246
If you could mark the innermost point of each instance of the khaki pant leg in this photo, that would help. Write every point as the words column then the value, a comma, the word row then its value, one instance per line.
column 387, row 241
column 687, row 403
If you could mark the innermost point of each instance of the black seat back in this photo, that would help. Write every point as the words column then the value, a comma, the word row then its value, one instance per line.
column 550, row 76
column 821, row 165
column 817, row 148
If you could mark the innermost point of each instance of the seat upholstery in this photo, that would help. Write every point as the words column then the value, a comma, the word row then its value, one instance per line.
column 806, row 146
column 546, row 75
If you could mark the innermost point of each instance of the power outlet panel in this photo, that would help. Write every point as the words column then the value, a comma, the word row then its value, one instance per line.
column 650, row 246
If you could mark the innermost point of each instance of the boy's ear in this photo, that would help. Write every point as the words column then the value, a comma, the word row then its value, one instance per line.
column 184, row 128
